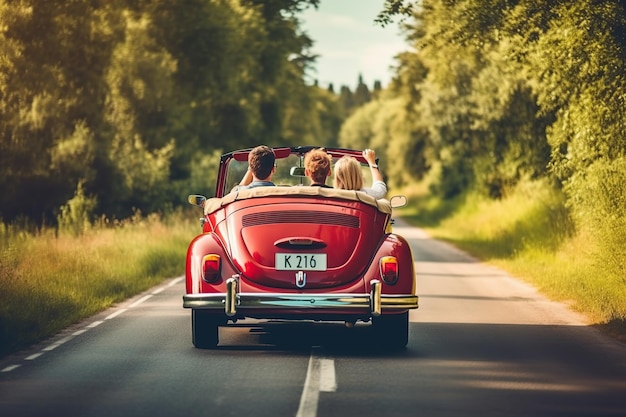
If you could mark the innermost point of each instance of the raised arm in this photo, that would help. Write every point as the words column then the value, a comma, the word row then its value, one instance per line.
column 247, row 178
column 370, row 157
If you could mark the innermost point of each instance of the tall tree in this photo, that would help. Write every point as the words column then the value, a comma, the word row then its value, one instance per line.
column 119, row 99
column 362, row 93
column 52, row 92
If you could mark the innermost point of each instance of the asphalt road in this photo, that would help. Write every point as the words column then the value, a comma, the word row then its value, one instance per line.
column 481, row 344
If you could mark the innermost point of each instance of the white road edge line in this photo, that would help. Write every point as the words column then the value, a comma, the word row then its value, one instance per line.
column 141, row 300
column 33, row 356
column 117, row 313
column 92, row 325
column 57, row 344
column 175, row 281
column 320, row 377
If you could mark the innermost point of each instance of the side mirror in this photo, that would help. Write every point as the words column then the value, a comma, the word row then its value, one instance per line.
column 196, row 200
column 398, row 201
column 297, row 172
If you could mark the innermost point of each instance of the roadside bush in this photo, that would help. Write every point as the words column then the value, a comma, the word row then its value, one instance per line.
column 75, row 216
column 598, row 201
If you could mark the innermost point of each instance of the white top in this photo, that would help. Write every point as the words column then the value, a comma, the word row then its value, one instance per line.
column 378, row 190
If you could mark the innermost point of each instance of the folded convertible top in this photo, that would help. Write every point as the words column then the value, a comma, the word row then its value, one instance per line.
column 237, row 194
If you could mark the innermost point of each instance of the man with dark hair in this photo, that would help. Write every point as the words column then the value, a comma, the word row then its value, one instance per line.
column 261, row 167
column 317, row 167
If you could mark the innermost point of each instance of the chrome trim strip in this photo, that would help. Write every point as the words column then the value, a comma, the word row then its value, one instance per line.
column 217, row 301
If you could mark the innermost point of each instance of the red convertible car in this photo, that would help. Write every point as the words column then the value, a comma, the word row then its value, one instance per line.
column 296, row 252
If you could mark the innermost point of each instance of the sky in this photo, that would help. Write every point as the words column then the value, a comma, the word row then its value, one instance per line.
column 349, row 43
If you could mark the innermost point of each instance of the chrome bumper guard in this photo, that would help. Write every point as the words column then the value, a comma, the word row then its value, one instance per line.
column 232, row 301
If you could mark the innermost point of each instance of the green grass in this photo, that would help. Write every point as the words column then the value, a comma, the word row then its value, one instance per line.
column 49, row 281
column 531, row 235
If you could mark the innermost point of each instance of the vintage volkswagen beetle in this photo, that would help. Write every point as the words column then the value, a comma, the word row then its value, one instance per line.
column 297, row 252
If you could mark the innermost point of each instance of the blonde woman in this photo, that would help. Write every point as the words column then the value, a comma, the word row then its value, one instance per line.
column 348, row 175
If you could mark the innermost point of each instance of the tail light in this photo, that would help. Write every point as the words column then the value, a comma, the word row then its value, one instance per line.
column 389, row 269
column 211, row 267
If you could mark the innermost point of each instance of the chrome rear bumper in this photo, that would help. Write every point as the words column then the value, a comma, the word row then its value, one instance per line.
column 233, row 301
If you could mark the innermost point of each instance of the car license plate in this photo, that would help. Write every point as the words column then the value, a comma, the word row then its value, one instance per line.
column 301, row 262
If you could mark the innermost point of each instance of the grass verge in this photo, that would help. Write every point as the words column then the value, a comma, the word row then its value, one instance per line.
column 49, row 281
column 531, row 235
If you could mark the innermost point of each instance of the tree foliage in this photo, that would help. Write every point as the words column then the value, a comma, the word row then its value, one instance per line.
column 499, row 91
column 126, row 104
column 497, row 95
column 116, row 102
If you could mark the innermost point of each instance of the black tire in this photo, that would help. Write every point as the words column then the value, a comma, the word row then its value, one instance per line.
column 391, row 330
column 204, row 329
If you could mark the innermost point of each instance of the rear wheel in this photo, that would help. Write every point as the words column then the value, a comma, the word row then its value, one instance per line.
column 391, row 330
column 204, row 329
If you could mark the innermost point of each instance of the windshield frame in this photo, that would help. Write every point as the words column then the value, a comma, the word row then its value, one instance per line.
column 233, row 166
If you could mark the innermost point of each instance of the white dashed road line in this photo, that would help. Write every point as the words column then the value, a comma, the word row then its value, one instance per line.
column 320, row 377
column 117, row 313
column 33, row 356
column 10, row 368
column 328, row 382
column 92, row 325
column 141, row 300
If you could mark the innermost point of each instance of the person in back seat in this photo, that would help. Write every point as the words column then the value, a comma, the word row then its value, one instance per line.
column 261, row 167
column 348, row 175
column 317, row 167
